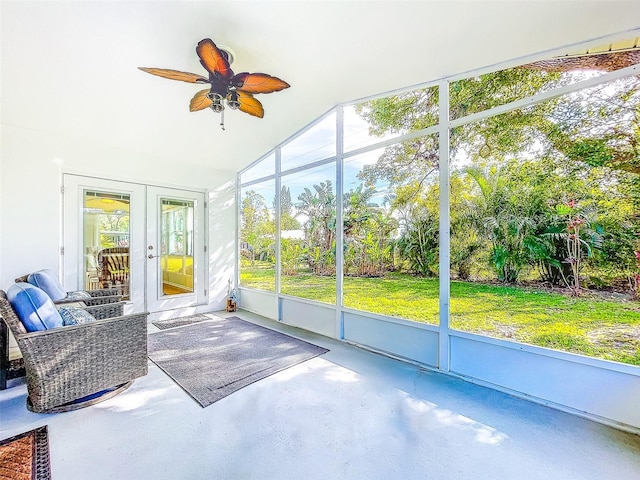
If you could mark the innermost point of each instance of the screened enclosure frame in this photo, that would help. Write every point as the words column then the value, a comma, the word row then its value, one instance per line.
column 443, row 129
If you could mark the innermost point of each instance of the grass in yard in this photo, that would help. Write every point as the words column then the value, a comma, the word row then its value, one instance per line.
column 260, row 275
column 313, row 287
column 590, row 326
column 395, row 295
column 602, row 328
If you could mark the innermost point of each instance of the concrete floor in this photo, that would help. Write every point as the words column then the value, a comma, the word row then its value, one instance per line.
column 348, row 414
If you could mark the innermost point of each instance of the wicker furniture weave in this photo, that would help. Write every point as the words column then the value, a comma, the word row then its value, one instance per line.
column 98, row 297
column 108, row 310
column 67, row 363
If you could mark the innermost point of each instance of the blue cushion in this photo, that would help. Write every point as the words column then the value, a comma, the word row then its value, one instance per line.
column 48, row 281
column 34, row 308
column 79, row 295
column 75, row 316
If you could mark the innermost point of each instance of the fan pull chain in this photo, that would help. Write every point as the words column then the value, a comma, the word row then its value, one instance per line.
column 222, row 119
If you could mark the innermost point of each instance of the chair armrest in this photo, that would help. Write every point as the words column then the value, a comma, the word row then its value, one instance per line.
column 84, row 358
column 103, row 300
column 103, row 292
column 100, row 300
column 100, row 311
column 108, row 310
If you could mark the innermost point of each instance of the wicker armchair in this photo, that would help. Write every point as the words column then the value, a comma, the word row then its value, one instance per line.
column 100, row 296
column 9, row 371
column 69, row 363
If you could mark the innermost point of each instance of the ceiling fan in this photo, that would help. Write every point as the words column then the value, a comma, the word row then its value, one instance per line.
column 236, row 89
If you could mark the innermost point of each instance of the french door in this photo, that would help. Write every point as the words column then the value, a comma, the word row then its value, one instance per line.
column 146, row 241
column 175, row 249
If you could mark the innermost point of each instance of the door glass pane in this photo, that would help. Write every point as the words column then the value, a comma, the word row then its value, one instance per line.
column 176, row 246
column 106, row 241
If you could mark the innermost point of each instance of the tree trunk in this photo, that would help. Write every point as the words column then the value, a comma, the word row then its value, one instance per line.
column 607, row 62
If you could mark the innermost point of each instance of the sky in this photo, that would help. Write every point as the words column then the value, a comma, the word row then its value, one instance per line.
column 317, row 143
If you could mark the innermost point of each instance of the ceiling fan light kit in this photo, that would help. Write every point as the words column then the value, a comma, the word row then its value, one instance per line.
column 237, row 90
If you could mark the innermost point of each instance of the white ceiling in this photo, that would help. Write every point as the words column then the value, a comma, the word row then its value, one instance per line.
column 69, row 69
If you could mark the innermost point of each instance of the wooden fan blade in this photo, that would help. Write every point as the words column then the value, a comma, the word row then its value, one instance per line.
column 258, row 83
column 175, row 75
column 200, row 101
column 248, row 104
column 213, row 59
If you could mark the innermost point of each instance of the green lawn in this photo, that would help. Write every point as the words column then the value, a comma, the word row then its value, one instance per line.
column 608, row 329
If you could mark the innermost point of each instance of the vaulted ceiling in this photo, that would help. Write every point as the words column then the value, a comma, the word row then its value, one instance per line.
column 69, row 69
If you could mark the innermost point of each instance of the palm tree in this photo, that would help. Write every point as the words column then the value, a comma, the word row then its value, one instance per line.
column 319, row 207
column 507, row 220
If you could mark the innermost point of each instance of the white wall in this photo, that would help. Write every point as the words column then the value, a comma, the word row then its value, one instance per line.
column 260, row 302
column 411, row 340
column 605, row 391
column 222, row 238
column 30, row 205
column 313, row 316
column 31, row 218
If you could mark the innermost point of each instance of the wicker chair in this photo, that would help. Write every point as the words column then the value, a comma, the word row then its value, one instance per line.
column 100, row 296
column 65, row 364
column 9, row 371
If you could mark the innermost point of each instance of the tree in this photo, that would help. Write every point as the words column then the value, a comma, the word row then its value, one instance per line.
column 257, row 228
column 368, row 229
column 600, row 126
column 286, row 205
column 292, row 253
column 418, row 243
column 580, row 238
column 319, row 209
column 466, row 238
column 416, row 206
column 417, row 159
column 287, row 222
column 584, row 146
column 358, row 208
column 254, row 212
column 507, row 220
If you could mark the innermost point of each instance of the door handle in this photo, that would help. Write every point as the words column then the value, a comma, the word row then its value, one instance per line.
column 150, row 256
